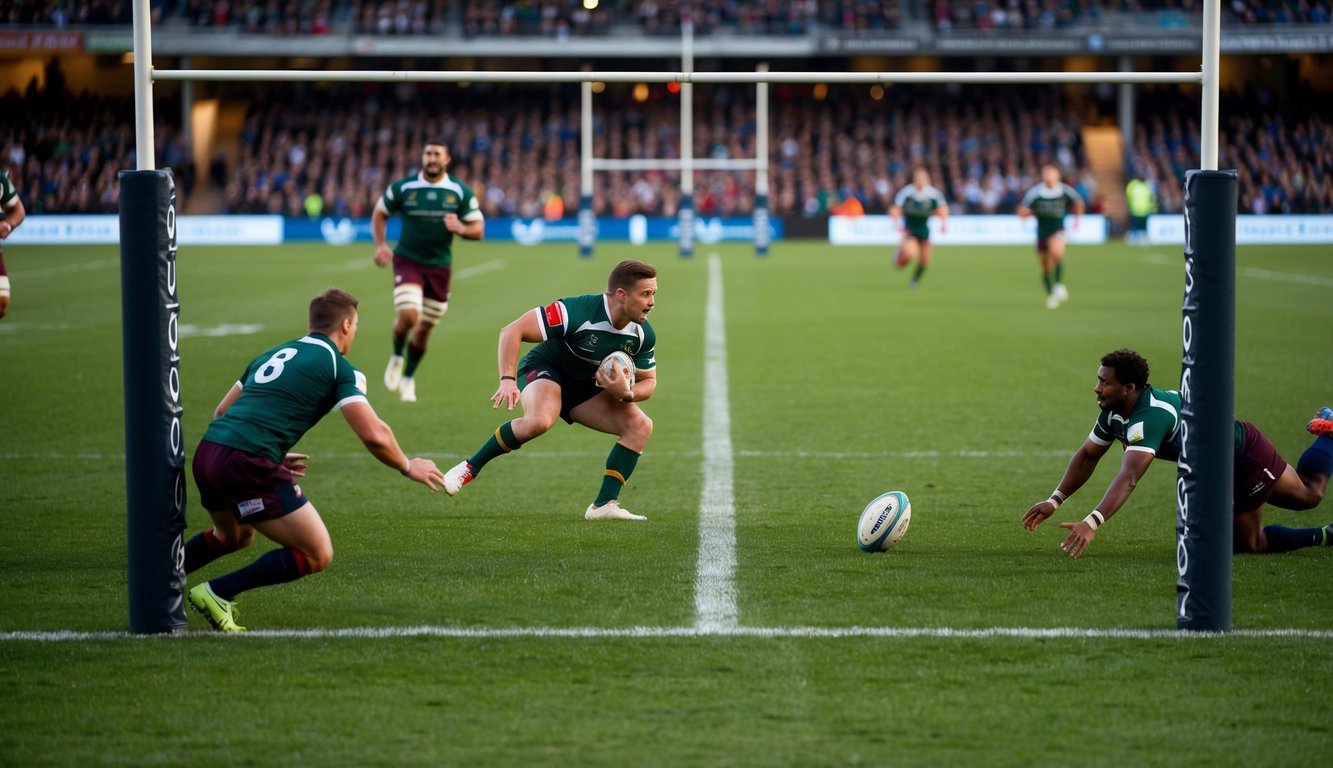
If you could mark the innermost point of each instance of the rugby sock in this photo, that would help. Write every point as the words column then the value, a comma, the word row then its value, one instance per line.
column 277, row 566
column 620, row 465
column 1060, row 271
column 202, row 549
column 1318, row 458
column 414, row 355
column 500, row 443
column 1046, row 281
column 1283, row 539
column 399, row 342
column 916, row 276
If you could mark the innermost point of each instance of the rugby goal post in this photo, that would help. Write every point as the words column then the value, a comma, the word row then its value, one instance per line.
column 1208, row 315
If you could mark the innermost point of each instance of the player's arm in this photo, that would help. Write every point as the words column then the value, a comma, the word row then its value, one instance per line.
column 379, row 440
column 15, row 213
column 1080, row 468
column 468, row 230
column 943, row 213
column 1132, row 468
column 227, row 400
column 645, row 384
column 526, row 327
column 379, row 230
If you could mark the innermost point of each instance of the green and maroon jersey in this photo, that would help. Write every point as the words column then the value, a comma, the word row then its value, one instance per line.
column 423, row 205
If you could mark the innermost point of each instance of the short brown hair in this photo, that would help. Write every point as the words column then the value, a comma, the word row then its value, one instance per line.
column 330, row 308
column 627, row 273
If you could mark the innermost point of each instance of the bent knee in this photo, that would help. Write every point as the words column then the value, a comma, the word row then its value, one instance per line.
column 235, row 539
column 319, row 558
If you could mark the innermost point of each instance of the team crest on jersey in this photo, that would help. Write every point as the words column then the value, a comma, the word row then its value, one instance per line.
column 430, row 195
column 1135, row 433
column 412, row 196
column 450, row 199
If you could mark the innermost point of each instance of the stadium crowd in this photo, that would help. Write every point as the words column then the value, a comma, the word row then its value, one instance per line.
column 308, row 151
column 570, row 18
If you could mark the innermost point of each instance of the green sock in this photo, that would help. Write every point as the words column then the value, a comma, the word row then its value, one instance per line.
column 500, row 443
column 398, row 343
column 414, row 355
column 920, row 270
column 1046, row 280
column 1060, row 271
column 619, row 466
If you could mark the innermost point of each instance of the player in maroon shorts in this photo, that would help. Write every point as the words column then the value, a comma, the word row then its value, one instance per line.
column 1146, row 420
column 13, row 214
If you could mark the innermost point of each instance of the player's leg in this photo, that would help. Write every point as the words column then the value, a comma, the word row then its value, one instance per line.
column 1057, row 266
column 632, row 427
column 435, row 283
column 306, row 549
column 907, row 250
column 407, row 304
column 923, row 260
column 541, row 402
column 212, row 469
column 1263, row 476
column 4, row 286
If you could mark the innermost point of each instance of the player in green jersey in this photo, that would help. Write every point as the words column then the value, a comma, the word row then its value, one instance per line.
column 1050, row 201
column 916, row 203
column 561, row 377
column 1146, row 420
column 12, row 214
column 435, row 207
column 244, row 470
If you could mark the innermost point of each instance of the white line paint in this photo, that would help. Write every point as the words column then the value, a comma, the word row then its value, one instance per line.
column 66, row 269
column 480, row 269
column 630, row 633
column 714, row 586
column 1254, row 272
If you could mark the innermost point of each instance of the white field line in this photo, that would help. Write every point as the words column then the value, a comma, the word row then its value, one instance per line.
column 1254, row 272
column 714, row 586
column 479, row 269
column 631, row 633
column 67, row 269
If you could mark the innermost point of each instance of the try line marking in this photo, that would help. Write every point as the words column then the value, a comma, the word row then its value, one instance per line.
column 630, row 633
column 714, row 586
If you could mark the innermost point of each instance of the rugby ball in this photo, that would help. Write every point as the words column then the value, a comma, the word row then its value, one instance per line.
column 616, row 362
column 883, row 522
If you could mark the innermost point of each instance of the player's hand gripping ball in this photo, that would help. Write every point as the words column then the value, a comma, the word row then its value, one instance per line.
column 618, row 364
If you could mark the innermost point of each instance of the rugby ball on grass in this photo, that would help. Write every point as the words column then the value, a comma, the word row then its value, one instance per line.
column 883, row 522
column 617, row 364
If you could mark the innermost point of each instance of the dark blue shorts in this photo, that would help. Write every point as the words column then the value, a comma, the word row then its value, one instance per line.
column 250, row 487
column 1258, row 467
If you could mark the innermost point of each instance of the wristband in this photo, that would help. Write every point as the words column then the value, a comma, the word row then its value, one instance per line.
column 1095, row 519
column 1057, row 498
column 510, row 378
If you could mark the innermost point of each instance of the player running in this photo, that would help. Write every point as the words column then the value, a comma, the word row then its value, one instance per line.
column 561, row 377
column 1146, row 420
column 435, row 207
column 12, row 214
column 916, row 203
column 245, row 474
column 1050, row 201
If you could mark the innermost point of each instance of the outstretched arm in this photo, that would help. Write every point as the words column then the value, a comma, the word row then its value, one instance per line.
column 1081, row 466
column 379, row 440
column 1080, row 535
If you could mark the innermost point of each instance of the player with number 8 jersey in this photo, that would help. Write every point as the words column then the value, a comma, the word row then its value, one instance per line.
column 245, row 474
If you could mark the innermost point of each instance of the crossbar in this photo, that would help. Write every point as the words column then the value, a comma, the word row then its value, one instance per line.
column 474, row 76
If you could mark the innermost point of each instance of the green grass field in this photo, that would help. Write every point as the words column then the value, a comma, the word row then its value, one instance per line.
column 515, row 633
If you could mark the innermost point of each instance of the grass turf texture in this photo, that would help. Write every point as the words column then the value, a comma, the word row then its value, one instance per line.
column 965, row 393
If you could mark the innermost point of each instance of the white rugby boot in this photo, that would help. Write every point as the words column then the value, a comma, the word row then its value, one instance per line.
column 611, row 510
column 407, row 390
column 393, row 374
column 457, row 477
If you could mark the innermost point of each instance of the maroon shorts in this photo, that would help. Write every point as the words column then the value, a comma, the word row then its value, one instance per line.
column 434, row 281
column 1044, row 244
column 250, row 487
column 3, row 273
column 1258, row 467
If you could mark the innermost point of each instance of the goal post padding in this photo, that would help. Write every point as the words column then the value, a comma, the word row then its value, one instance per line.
column 154, row 438
column 1207, row 387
